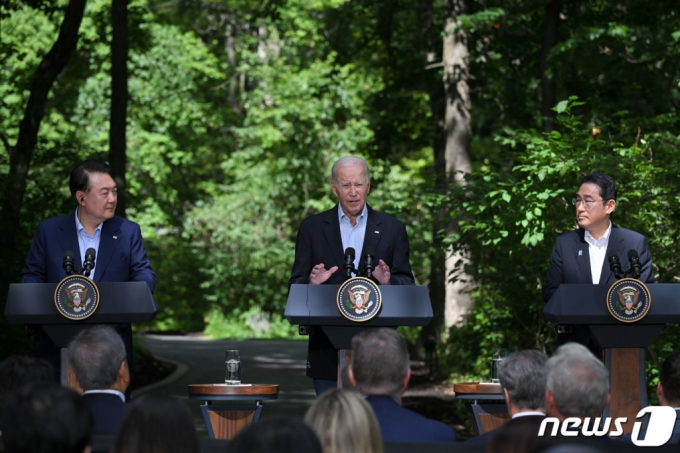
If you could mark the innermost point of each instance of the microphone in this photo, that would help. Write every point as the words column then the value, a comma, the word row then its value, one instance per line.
column 88, row 264
column 350, row 254
column 635, row 265
column 615, row 265
column 369, row 266
column 68, row 262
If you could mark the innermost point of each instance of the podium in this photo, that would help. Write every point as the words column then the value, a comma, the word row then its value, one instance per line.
column 623, row 343
column 315, row 305
column 120, row 302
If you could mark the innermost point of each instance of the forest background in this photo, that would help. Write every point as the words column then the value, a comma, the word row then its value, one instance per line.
column 477, row 118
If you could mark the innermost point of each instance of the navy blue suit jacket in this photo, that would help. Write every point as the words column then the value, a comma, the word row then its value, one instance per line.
column 121, row 256
column 570, row 259
column 398, row 424
column 319, row 241
column 107, row 409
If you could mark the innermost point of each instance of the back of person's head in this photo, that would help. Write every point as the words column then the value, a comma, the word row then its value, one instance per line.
column 523, row 374
column 156, row 424
column 669, row 377
column 96, row 355
column 276, row 435
column 604, row 182
column 521, row 437
column 45, row 418
column 17, row 371
column 578, row 382
column 344, row 422
column 380, row 361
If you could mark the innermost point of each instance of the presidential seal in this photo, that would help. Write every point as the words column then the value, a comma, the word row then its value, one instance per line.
column 629, row 300
column 76, row 297
column 359, row 299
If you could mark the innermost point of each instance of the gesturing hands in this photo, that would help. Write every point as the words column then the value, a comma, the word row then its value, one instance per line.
column 382, row 273
column 320, row 274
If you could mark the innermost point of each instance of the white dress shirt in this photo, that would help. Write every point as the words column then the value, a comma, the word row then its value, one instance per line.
column 597, row 249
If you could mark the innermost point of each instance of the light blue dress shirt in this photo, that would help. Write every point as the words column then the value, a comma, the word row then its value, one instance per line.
column 85, row 241
column 353, row 235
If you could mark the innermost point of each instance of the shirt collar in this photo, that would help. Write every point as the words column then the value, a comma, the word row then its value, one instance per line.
column 109, row 391
column 528, row 413
column 80, row 227
column 605, row 237
column 341, row 214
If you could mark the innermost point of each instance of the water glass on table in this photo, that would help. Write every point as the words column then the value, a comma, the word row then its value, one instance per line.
column 496, row 356
column 232, row 367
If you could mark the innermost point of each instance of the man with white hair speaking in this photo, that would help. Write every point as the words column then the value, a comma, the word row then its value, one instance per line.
column 320, row 250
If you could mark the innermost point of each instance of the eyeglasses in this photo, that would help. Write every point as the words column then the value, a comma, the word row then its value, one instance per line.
column 587, row 203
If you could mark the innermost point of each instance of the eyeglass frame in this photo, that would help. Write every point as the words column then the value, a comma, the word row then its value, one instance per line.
column 588, row 204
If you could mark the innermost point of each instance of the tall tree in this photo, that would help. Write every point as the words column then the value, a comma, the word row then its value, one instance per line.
column 548, row 85
column 119, row 100
column 21, row 153
column 457, row 124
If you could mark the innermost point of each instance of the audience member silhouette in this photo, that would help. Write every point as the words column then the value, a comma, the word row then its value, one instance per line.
column 344, row 422
column 44, row 417
column 276, row 435
column 98, row 359
column 17, row 371
column 155, row 424
column 380, row 370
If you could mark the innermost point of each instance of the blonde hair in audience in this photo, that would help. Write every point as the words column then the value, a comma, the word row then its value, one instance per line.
column 345, row 423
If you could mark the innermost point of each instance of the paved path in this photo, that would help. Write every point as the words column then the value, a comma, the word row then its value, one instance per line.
column 262, row 361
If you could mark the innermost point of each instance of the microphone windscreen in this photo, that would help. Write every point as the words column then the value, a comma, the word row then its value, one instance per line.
column 90, row 252
column 350, row 251
column 633, row 254
column 68, row 254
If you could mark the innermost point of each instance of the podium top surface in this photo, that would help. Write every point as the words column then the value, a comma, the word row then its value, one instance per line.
column 586, row 304
column 316, row 305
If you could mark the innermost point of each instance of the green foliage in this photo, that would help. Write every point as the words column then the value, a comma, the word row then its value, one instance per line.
column 509, row 217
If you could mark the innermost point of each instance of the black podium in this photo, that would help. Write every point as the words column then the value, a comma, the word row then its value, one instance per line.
column 315, row 305
column 119, row 302
column 623, row 343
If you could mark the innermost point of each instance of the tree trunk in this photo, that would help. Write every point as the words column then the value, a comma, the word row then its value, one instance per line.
column 21, row 153
column 119, row 99
column 437, row 284
column 458, row 142
column 548, row 86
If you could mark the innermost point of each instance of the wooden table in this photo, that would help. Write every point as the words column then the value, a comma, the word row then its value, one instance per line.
column 485, row 404
column 240, row 406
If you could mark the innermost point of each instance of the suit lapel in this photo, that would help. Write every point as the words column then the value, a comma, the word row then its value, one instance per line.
column 110, row 238
column 332, row 232
column 371, row 236
column 68, row 239
column 615, row 246
column 582, row 258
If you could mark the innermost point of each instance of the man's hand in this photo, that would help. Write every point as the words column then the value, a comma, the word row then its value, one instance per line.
column 320, row 274
column 382, row 273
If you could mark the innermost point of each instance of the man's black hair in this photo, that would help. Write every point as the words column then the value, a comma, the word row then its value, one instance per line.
column 604, row 182
column 80, row 175
column 669, row 376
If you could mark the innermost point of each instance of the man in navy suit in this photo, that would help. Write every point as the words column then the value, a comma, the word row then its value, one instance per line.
column 320, row 248
column 522, row 376
column 581, row 256
column 380, row 371
column 97, row 356
column 118, row 243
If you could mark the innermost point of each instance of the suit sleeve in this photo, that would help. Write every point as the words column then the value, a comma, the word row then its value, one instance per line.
column 400, row 271
column 302, row 265
column 555, row 275
column 647, row 274
column 140, row 267
column 35, row 269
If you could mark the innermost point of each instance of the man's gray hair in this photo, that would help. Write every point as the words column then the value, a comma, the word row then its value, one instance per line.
column 95, row 355
column 380, row 361
column 524, row 374
column 348, row 161
column 578, row 381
